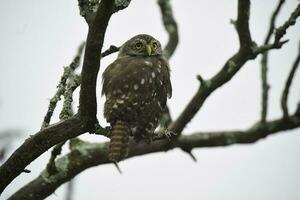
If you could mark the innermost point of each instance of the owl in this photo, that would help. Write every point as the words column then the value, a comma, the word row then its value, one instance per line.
column 136, row 86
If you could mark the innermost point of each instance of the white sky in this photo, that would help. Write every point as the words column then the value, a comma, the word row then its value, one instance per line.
column 39, row 37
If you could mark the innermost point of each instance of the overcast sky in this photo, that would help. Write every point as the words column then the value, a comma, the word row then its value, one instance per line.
column 39, row 37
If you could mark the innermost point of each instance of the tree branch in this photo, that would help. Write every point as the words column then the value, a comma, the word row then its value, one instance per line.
column 85, row 155
column 62, row 85
column 91, row 64
column 110, row 50
column 230, row 68
column 170, row 26
column 76, row 125
column 285, row 93
column 281, row 31
column 36, row 145
column 264, row 63
column 242, row 24
column 248, row 51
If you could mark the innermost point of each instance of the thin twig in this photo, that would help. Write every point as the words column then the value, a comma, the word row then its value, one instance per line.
column 264, row 63
column 281, row 31
column 67, row 110
column 62, row 85
column 110, row 50
column 285, row 93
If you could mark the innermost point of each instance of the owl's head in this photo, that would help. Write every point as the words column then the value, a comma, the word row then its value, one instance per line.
column 141, row 45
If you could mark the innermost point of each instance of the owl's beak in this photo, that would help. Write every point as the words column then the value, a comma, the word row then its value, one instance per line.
column 149, row 49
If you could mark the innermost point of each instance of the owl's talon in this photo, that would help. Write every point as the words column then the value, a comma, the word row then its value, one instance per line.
column 165, row 133
column 169, row 134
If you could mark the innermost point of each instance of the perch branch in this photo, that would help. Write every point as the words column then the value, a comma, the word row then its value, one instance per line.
column 85, row 155
column 285, row 93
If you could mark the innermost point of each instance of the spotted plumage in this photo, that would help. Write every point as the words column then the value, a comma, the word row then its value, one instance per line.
column 136, row 86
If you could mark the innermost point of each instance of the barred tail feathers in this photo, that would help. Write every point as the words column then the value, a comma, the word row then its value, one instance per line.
column 118, row 147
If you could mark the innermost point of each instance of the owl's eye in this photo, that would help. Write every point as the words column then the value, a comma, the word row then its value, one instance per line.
column 154, row 45
column 138, row 45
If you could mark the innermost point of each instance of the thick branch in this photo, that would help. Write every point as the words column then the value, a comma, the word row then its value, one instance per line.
column 285, row 93
column 242, row 24
column 91, row 63
column 36, row 145
column 85, row 155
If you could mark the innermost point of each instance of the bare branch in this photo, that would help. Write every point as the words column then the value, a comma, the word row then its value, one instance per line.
column 91, row 64
column 110, row 50
column 62, row 85
column 85, row 155
column 248, row 51
column 264, row 63
column 36, row 145
column 67, row 110
column 65, row 113
column 272, row 21
column 242, row 24
column 170, row 26
column 288, row 83
column 281, row 31
column 88, row 8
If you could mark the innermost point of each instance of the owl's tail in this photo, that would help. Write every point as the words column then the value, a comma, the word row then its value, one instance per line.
column 118, row 147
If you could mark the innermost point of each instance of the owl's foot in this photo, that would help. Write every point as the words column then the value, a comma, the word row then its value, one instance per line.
column 165, row 133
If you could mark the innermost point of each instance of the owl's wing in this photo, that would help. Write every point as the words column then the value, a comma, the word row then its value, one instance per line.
column 124, row 74
column 107, row 76
column 165, row 77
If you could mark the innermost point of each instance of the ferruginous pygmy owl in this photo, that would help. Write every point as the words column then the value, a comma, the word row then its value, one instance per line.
column 136, row 86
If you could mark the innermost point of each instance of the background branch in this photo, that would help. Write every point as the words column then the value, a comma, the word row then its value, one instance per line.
column 248, row 51
column 264, row 63
column 68, row 71
column 230, row 68
column 285, row 93
column 170, row 26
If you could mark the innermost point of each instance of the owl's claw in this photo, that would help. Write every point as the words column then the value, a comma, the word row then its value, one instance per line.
column 165, row 133
column 169, row 134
